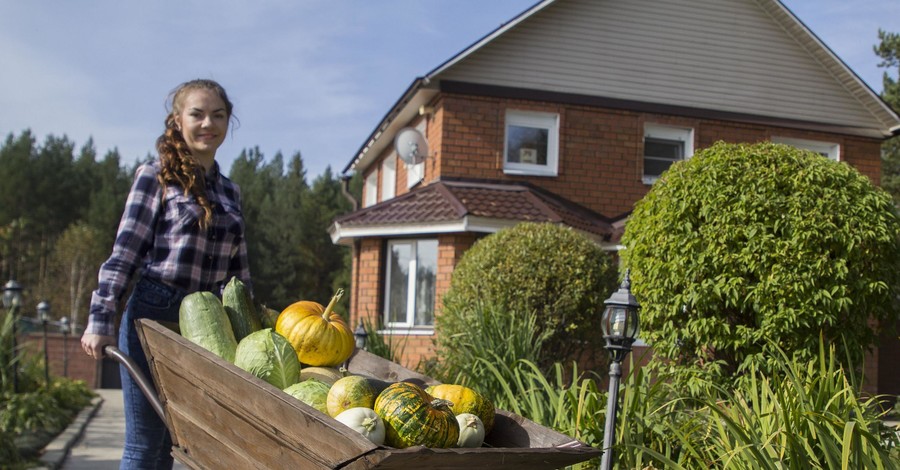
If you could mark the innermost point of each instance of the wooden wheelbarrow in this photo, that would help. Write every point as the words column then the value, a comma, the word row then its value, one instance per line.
column 221, row 417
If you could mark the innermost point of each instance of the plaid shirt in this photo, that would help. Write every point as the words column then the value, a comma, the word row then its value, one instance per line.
column 162, row 238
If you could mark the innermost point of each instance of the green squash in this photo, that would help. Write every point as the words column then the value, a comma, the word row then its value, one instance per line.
column 412, row 417
column 350, row 392
column 240, row 309
column 203, row 321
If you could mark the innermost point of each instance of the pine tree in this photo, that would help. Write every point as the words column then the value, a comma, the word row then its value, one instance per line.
column 889, row 51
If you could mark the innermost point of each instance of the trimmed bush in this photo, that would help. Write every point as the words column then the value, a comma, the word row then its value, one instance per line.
column 549, row 270
column 744, row 246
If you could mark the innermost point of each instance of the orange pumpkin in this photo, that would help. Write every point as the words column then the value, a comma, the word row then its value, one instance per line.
column 320, row 336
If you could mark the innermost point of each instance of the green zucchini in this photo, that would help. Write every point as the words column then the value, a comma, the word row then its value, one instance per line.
column 240, row 309
column 203, row 321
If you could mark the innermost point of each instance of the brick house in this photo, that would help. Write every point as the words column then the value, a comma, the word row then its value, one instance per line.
column 567, row 114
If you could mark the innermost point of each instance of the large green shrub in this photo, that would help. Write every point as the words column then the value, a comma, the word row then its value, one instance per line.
column 743, row 246
column 553, row 271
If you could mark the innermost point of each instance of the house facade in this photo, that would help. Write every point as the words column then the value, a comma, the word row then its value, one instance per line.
column 567, row 114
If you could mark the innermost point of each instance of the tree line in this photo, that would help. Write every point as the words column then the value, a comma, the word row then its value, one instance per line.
column 60, row 208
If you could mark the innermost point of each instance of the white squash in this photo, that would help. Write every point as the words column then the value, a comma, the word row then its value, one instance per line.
column 471, row 430
column 364, row 421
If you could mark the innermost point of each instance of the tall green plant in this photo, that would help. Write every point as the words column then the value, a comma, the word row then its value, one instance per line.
column 806, row 415
column 484, row 344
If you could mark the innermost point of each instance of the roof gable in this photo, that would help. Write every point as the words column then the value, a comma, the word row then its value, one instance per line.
column 751, row 59
column 745, row 56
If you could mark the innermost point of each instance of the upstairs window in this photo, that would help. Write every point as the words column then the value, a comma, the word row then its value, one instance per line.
column 371, row 189
column 532, row 143
column 411, row 281
column 663, row 146
column 825, row 149
column 389, row 177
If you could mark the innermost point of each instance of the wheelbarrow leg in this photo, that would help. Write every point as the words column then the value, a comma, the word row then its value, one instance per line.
column 139, row 378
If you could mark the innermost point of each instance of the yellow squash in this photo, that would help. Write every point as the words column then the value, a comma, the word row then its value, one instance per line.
column 318, row 334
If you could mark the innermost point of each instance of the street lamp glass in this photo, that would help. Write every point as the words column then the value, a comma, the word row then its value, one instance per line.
column 360, row 336
column 64, row 325
column 12, row 294
column 43, row 310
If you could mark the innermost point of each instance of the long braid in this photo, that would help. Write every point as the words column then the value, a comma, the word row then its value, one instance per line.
column 176, row 164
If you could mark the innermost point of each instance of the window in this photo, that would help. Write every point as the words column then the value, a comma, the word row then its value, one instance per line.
column 371, row 190
column 825, row 149
column 663, row 146
column 388, row 177
column 532, row 143
column 411, row 280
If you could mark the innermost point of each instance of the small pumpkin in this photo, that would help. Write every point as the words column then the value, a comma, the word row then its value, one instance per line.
column 364, row 421
column 350, row 392
column 318, row 334
column 412, row 417
column 471, row 430
column 466, row 400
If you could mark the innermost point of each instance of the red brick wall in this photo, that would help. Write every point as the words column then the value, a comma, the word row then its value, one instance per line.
column 80, row 366
column 600, row 161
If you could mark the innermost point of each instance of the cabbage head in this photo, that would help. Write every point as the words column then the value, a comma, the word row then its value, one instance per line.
column 313, row 392
column 269, row 356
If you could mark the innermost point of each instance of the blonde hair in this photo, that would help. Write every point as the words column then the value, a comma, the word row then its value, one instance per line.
column 175, row 161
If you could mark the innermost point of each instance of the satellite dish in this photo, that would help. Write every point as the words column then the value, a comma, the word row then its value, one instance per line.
column 411, row 146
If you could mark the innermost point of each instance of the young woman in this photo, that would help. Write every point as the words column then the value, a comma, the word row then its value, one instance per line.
column 182, row 231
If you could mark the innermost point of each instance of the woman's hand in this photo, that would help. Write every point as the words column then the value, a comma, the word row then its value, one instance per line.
column 93, row 344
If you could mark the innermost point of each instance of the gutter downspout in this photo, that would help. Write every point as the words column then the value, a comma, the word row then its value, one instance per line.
column 345, row 190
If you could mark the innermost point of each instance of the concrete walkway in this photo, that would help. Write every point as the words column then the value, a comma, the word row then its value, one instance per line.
column 100, row 445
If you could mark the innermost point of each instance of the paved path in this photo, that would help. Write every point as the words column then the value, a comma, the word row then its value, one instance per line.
column 100, row 446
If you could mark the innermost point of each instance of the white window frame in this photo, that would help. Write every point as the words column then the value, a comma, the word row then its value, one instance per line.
column 548, row 121
column 411, row 285
column 685, row 135
column 371, row 190
column 389, row 177
column 826, row 149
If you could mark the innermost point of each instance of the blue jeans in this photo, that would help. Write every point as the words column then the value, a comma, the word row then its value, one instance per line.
column 148, row 444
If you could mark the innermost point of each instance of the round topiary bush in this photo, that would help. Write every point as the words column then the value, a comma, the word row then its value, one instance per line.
column 745, row 246
column 549, row 270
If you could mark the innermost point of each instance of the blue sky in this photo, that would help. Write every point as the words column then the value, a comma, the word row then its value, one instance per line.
column 313, row 76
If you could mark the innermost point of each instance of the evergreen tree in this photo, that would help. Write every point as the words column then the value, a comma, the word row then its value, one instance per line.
column 889, row 51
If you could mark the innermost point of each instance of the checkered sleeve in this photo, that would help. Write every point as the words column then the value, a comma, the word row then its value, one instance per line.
column 133, row 240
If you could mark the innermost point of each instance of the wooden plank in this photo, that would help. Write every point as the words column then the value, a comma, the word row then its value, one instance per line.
column 368, row 364
column 454, row 459
column 232, row 430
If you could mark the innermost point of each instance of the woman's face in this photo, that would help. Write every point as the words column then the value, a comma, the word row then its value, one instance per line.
column 203, row 121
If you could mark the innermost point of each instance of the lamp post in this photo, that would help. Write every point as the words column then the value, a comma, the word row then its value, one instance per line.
column 360, row 336
column 12, row 300
column 43, row 311
column 620, row 325
column 64, row 328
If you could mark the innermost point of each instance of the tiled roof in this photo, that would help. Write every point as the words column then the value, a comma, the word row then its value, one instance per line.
column 448, row 201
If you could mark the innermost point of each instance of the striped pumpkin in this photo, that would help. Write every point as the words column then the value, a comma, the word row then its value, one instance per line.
column 466, row 400
column 412, row 417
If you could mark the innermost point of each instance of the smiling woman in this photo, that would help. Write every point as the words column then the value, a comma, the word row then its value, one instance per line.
column 183, row 229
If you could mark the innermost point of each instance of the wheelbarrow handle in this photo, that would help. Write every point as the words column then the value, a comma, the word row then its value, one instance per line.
column 145, row 385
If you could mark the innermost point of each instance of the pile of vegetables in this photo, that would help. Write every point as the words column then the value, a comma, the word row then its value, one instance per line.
column 301, row 351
